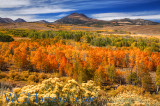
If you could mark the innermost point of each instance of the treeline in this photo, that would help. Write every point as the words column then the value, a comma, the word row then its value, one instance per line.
column 17, row 32
column 151, row 44
column 95, row 39
column 36, row 34
column 75, row 35
column 5, row 38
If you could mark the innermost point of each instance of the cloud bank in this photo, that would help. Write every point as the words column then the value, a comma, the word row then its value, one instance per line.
column 153, row 15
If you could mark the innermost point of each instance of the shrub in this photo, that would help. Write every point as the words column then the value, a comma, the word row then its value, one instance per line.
column 132, row 99
column 50, row 88
column 2, row 75
column 33, row 78
column 5, row 38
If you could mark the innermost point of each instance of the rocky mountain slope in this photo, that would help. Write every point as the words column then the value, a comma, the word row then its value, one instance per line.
column 80, row 19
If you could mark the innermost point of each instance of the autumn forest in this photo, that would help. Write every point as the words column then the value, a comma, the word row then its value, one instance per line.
column 116, row 63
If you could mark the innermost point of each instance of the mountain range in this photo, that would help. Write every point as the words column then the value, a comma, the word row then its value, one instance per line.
column 42, row 21
column 20, row 20
column 8, row 20
column 81, row 19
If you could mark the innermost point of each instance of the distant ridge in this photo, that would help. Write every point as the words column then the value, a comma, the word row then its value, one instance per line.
column 76, row 18
column 19, row 20
column 134, row 22
column 42, row 21
column 9, row 20
column 81, row 19
column 6, row 20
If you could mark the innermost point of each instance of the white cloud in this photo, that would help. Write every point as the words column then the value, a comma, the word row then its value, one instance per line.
column 13, row 3
column 16, row 16
column 31, row 11
column 30, row 17
column 61, row 15
column 133, row 15
column 42, row 10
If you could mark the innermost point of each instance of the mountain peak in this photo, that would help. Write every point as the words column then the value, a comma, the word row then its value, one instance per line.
column 74, row 14
column 20, row 20
column 81, row 19
column 42, row 21
column 77, row 15
column 6, row 20
column 74, row 18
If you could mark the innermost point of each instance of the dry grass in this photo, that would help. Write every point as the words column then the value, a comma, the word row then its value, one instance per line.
column 147, row 36
column 36, row 26
column 138, row 29
column 21, row 38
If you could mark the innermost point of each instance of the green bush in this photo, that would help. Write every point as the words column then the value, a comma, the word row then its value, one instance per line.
column 5, row 38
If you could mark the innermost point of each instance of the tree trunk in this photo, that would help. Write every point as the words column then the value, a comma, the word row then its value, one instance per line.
column 157, row 88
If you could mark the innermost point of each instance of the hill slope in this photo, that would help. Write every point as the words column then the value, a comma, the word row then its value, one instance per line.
column 80, row 19
column 6, row 20
column 19, row 20
column 127, row 21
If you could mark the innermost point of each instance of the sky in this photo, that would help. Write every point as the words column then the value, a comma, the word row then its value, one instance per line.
column 51, row 10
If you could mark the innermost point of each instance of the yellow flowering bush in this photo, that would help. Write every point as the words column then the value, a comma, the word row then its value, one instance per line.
column 130, row 96
column 51, row 92
column 91, row 89
column 129, row 88
column 132, row 99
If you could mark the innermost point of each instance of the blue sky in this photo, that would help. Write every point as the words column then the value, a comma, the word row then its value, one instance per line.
column 51, row 10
